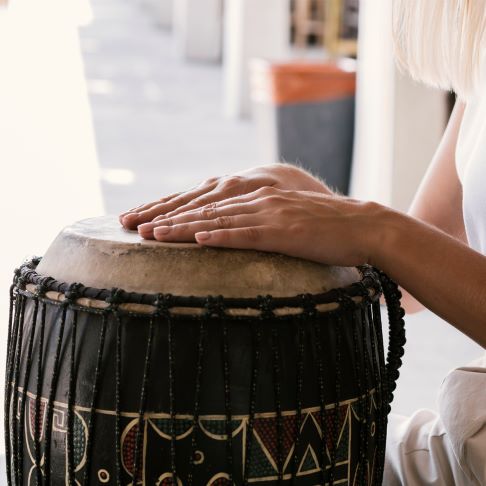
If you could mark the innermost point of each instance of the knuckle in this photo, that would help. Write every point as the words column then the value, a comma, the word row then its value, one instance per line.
column 208, row 211
column 223, row 222
column 253, row 234
column 211, row 180
column 232, row 181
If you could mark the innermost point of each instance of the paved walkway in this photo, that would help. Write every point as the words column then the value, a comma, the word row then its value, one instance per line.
column 158, row 121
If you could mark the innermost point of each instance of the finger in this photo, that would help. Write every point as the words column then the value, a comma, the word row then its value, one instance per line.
column 252, row 237
column 186, row 231
column 134, row 219
column 145, row 206
column 205, row 213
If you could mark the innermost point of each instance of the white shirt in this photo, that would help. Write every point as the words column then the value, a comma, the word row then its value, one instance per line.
column 449, row 447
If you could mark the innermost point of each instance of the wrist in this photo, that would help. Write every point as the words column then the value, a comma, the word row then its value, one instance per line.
column 384, row 229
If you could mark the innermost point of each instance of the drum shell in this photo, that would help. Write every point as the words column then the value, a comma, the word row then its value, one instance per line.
column 292, row 349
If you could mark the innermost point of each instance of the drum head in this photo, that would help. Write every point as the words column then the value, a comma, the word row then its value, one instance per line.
column 100, row 253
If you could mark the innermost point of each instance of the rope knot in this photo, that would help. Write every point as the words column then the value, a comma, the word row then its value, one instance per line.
column 115, row 298
column 214, row 306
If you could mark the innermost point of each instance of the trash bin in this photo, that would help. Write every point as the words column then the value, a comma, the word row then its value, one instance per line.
column 305, row 115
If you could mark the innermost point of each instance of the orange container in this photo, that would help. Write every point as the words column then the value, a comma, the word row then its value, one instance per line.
column 305, row 114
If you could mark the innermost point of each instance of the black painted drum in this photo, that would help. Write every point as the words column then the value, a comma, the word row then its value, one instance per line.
column 152, row 386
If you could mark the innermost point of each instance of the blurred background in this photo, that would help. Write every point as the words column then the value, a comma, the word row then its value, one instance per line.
column 105, row 104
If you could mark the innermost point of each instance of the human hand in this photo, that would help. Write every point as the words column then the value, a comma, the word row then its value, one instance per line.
column 280, row 176
column 310, row 225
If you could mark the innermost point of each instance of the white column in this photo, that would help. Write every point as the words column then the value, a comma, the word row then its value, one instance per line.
column 371, row 177
column 399, row 123
column 198, row 29
column 253, row 28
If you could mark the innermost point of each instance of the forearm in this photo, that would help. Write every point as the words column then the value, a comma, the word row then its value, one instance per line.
column 445, row 275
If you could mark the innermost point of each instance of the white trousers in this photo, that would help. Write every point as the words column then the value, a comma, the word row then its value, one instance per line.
column 444, row 448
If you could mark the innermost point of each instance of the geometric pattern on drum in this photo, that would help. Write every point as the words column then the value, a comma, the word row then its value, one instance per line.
column 59, row 427
column 263, row 466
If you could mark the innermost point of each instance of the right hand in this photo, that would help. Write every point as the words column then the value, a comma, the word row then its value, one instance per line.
column 280, row 176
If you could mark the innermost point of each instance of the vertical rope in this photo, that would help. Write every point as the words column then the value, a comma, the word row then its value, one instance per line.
column 37, row 425
column 277, row 400
column 94, row 399
column 361, row 409
column 256, row 335
column 114, row 300
column 71, row 401
column 227, row 401
column 143, row 399
column 18, row 355
column 14, row 329
column 118, row 372
column 381, row 433
column 299, row 384
column 172, row 410
column 28, row 367
column 322, row 399
column 366, row 398
column 197, row 394
column 52, row 395
column 337, row 384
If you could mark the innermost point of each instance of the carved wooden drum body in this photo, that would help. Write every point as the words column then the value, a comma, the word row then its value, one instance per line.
column 175, row 364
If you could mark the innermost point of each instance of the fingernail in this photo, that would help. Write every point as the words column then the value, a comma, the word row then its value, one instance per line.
column 130, row 217
column 203, row 236
column 146, row 227
column 161, row 230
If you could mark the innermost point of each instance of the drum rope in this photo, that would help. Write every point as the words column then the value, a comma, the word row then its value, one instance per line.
column 39, row 382
column 383, row 404
column 94, row 397
column 377, row 377
column 172, row 390
column 396, row 345
column 338, row 323
column 256, row 333
column 143, row 400
column 267, row 316
column 114, row 299
column 16, row 379
column 320, row 375
column 197, row 392
column 28, row 367
column 12, row 340
column 72, row 297
column 227, row 390
column 299, row 386
column 52, row 394
column 362, row 392
column 365, row 340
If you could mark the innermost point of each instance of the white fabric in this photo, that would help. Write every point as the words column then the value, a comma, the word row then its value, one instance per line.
column 471, row 167
column 449, row 447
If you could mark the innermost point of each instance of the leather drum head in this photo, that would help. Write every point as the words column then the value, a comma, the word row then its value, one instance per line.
column 99, row 253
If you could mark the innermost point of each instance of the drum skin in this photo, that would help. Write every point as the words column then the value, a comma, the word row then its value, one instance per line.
column 117, row 387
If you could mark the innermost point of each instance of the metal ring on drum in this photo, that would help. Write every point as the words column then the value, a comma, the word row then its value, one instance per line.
column 138, row 362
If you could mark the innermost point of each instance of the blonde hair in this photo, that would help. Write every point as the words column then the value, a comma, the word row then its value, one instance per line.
column 441, row 42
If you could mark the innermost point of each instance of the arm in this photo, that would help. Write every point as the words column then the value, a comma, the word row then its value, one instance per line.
column 443, row 273
column 438, row 200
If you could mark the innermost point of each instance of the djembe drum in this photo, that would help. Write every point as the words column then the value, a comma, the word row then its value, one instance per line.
column 210, row 367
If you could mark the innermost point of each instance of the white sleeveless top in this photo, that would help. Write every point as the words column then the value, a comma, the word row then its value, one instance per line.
column 449, row 447
column 471, row 167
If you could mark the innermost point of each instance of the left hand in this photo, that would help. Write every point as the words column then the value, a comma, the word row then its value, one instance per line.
column 319, row 227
